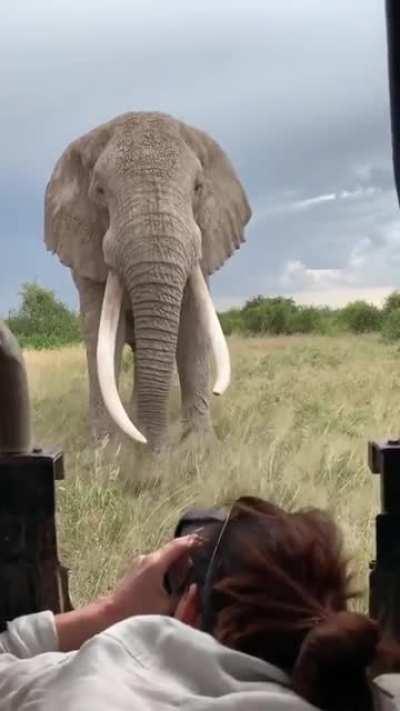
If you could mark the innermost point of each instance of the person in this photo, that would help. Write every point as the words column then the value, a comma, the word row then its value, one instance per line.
column 259, row 620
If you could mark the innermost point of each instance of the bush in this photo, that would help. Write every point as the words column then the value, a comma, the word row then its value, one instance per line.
column 253, row 303
column 43, row 321
column 306, row 319
column 392, row 302
column 360, row 317
column 279, row 312
column 255, row 320
column 269, row 315
column 231, row 321
column 391, row 325
column 279, row 315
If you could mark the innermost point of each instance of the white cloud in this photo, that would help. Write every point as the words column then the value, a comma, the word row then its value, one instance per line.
column 342, row 296
column 358, row 193
column 310, row 202
column 297, row 277
column 290, row 205
column 373, row 267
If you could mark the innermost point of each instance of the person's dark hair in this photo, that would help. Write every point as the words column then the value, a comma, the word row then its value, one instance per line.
column 279, row 591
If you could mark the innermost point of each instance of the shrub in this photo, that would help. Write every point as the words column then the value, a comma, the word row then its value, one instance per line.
column 231, row 321
column 391, row 303
column 254, row 320
column 279, row 315
column 391, row 325
column 43, row 321
column 360, row 317
column 306, row 319
column 268, row 315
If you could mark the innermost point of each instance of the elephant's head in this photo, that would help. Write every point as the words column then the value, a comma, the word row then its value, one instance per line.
column 150, row 205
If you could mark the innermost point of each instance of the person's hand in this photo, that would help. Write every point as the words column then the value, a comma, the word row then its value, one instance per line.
column 142, row 591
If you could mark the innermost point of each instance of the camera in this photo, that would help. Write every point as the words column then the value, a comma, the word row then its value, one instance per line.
column 192, row 521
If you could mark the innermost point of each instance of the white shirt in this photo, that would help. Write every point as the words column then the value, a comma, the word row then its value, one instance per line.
column 148, row 662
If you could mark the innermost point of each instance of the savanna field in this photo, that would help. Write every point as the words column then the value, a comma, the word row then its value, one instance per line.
column 293, row 427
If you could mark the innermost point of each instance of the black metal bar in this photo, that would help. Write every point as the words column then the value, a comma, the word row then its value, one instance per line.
column 393, row 42
column 31, row 577
column 384, row 591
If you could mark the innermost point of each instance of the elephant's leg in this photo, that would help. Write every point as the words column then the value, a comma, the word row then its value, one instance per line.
column 193, row 361
column 91, row 295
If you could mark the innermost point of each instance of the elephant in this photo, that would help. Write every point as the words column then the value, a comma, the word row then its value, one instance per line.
column 15, row 410
column 142, row 209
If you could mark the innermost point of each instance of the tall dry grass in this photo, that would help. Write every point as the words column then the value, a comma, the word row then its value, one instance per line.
column 293, row 427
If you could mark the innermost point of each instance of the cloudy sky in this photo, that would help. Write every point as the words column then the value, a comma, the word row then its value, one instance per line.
column 294, row 90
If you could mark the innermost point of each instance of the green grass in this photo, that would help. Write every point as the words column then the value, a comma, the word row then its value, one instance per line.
column 293, row 427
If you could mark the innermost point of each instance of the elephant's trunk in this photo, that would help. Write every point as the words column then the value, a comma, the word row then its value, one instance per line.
column 15, row 421
column 155, row 278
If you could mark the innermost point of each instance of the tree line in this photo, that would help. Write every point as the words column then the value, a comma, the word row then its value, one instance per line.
column 43, row 321
column 279, row 315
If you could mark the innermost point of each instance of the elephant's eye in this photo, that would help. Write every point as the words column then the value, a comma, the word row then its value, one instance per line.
column 197, row 187
column 99, row 190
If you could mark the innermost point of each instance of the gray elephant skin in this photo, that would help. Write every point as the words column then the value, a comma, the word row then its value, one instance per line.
column 15, row 411
column 142, row 210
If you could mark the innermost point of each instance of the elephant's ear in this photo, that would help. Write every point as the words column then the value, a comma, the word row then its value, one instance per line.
column 221, row 209
column 74, row 225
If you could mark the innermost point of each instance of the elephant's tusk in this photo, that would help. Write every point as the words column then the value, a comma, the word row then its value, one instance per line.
column 219, row 345
column 107, row 337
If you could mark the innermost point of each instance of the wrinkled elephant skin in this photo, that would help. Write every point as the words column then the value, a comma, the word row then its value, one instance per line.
column 151, row 207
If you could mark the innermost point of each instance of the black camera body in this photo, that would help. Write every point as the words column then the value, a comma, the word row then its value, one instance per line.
column 194, row 520
column 384, row 579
